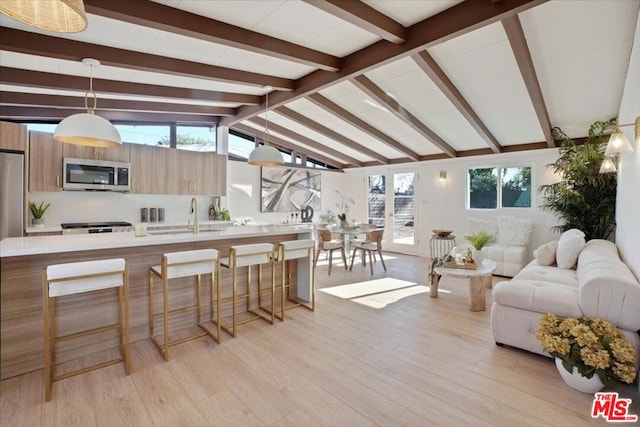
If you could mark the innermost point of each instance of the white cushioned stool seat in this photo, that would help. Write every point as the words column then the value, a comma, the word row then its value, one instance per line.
column 69, row 279
column 188, row 263
column 509, row 259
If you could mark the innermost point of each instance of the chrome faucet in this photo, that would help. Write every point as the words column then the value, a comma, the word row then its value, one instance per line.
column 193, row 210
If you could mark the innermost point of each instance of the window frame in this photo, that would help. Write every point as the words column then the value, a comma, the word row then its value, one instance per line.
column 499, row 185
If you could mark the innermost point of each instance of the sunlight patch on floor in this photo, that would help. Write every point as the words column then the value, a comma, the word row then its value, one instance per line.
column 382, row 300
column 376, row 293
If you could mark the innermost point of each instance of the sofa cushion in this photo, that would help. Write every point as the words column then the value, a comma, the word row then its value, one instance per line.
column 569, row 246
column 539, row 296
column 552, row 275
column 512, row 231
column 546, row 254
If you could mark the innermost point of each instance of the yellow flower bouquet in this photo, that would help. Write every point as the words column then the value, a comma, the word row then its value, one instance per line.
column 591, row 344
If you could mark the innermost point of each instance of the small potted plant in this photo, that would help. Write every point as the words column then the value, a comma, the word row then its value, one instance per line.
column 38, row 212
column 590, row 352
column 224, row 215
column 479, row 240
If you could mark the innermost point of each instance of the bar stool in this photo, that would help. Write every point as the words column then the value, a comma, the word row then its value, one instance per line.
column 288, row 251
column 247, row 256
column 177, row 265
column 62, row 280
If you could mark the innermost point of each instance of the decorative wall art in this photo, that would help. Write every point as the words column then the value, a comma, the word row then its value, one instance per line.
column 289, row 189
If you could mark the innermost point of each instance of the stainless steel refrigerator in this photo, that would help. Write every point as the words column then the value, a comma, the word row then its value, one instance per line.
column 11, row 194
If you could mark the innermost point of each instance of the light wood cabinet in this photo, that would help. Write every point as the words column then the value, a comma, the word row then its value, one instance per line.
column 45, row 162
column 117, row 154
column 142, row 168
column 13, row 136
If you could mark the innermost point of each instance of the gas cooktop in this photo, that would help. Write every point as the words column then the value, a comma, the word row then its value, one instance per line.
column 95, row 224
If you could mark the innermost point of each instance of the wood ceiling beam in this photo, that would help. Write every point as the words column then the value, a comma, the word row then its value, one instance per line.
column 71, row 50
column 363, row 16
column 287, row 133
column 375, row 92
column 448, row 24
column 76, row 102
column 333, row 108
column 283, row 143
column 520, row 49
column 446, row 86
column 330, row 133
column 55, row 114
column 165, row 18
column 18, row 77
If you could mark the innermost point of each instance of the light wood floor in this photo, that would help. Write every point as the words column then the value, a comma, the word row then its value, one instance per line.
column 367, row 358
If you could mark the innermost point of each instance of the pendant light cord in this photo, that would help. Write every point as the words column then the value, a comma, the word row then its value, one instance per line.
column 91, row 92
column 266, row 119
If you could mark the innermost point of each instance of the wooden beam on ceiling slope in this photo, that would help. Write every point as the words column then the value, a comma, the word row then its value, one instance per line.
column 363, row 16
column 55, row 114
column 283, row 143
column 460, row 19
column 76, row 102
column 330, row 133
column 71, row 50
column 165, row 18
column 333, row 108
column 520, row 49
column 19, row 77
column 435, row 73
column 318, row 147
column 375, row 92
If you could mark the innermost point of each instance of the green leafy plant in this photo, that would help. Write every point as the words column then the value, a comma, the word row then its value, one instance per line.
column 225, row 214
column 593, row 345
column 480, row 239
column 38, row 210
column 584, row 198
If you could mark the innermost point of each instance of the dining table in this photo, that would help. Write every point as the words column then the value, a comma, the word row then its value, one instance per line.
column 349, row 234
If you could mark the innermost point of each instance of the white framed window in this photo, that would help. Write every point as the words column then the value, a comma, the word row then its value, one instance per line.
column 497, row 187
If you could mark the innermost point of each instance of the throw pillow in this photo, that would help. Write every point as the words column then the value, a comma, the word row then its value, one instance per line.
column 546, row 254
column 569, row 247
column 489, row 226
column 512, row 231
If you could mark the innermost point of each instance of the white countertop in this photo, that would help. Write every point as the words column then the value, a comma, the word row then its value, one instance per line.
column 46, row 229
column 21, row 246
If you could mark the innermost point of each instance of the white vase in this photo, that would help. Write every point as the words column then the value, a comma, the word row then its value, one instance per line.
column 37, row 222
column 477, row 255
column 576, row 381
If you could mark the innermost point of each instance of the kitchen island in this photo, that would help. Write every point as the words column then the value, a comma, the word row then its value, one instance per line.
column 23, row 259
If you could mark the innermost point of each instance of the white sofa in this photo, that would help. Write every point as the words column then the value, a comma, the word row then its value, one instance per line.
column 511, row 250
column 601, row 286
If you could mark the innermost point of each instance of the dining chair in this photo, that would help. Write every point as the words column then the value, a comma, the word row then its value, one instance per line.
column 325, row 243
column 370, row 247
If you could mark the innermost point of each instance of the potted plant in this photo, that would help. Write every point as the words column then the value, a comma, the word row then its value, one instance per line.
column 343, row 207
column 479, row 240
column 38, row 212
column 590, row 352
column 584, row 198
column 224, row 215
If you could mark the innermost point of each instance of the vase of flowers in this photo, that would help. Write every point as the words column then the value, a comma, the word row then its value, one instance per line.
column 589, row 347
column 343, row 208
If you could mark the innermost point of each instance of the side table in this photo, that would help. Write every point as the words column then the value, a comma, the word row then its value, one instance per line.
column 478, row 280
column 441, row 246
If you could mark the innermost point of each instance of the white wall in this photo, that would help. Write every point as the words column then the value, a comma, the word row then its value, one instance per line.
column 443, row 204
column 628, row 199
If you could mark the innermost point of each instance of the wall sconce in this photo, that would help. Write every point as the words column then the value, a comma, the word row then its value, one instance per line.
column 618, row 142
column 608, row 165
column 443, row 175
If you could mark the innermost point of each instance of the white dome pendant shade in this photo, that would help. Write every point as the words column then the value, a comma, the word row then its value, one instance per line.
column 265, row 155
column 61, row 16
column 87, row 128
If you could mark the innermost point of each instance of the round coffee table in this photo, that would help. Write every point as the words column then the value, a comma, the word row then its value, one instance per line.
column 478, row 280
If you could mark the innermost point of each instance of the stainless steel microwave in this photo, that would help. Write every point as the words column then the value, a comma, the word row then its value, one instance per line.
column 96, row 175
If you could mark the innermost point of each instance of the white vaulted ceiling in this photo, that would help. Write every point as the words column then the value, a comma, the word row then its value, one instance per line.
column 347, row 88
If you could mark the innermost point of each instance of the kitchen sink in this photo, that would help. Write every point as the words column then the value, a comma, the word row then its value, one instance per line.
column 180, row 232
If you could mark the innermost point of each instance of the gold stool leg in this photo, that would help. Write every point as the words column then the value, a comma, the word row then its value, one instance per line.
column 46, row 333
column 151, row 304
column 127, row 349
column 165, row 314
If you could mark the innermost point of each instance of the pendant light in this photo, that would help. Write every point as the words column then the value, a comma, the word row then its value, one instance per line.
column 61, row 16
column 87, row 128
column 265, row 155
column 608, row 166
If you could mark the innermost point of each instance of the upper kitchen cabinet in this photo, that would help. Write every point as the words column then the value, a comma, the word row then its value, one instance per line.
column 142, row 168
column 45, row 162
column 13, row 136
column 212, row 175
column 117, row 154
